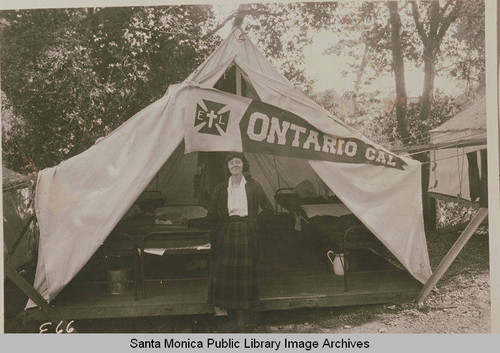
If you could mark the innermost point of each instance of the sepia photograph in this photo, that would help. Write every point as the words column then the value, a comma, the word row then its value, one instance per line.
column 269, row 167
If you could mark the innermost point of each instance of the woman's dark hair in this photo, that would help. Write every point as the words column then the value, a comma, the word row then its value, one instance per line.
column 239, row 155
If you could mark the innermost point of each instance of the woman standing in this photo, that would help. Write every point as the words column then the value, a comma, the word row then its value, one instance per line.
column 234, row 207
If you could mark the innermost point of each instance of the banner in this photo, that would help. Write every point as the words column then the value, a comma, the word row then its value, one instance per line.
column 268, row 129
column 224, row 122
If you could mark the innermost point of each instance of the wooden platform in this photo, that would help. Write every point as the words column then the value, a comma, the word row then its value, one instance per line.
column 189, row 296
column 294, row 274
column 178, row 297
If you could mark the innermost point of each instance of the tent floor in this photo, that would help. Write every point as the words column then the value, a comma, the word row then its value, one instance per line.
column 296, row 274
column 190, row 296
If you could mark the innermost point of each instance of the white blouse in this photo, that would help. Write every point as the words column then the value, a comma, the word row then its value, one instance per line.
column 237, row 204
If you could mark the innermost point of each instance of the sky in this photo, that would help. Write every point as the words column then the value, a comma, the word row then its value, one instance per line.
column 327, row 70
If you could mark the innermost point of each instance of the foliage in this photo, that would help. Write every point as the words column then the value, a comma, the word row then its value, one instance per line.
column 366, row 28
column 453, row 213
column 283, row 30
column 454, row 36
column 383, row 128
column 338, row 106
column 74, row 75
column 466, row 45
column 461, row 51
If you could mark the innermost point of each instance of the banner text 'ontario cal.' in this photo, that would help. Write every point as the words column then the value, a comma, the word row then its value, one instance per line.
column 268, row 129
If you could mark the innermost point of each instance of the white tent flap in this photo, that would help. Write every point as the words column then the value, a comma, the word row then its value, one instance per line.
column 389, row 203
column 80, row 201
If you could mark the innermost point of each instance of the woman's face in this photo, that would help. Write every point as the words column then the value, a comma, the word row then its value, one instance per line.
column 235, row 166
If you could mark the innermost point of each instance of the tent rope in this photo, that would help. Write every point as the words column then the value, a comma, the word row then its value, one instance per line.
column 242, row 35
column 433, row 168
column 460, row 171
column 444, row 158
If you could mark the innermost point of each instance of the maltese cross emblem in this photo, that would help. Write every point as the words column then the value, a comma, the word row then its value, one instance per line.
column 211, row 117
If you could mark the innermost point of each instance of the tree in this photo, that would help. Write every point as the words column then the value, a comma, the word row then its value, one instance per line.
column 372, row 28
column 74, row 75
column 466, row 45
column 431, row 32
column 283, row 30
column 399, row 69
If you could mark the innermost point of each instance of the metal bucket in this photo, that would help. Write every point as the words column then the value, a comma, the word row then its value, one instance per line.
column 117, row 280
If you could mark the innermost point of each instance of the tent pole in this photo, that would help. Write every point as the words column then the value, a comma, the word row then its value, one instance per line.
column 240, row 14
column 452, row 254
column 27, row 289
column 238, row 81
column 238, row 21
column 20, row 237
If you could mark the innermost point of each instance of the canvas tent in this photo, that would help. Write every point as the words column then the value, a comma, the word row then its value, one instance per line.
column 459, row 172
column 456, row 160
column 80, row 201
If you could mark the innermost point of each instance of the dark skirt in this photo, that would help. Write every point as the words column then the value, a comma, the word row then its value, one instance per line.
column 233, row 275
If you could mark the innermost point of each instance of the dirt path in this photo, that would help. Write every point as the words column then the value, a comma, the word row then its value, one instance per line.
column 461, row 307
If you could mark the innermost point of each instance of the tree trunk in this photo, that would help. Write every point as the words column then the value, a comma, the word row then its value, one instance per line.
column 428, row 203
column 399, row 70
column 240, row 14
column 431, row 40
column 429, row 75
column 359, row 77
